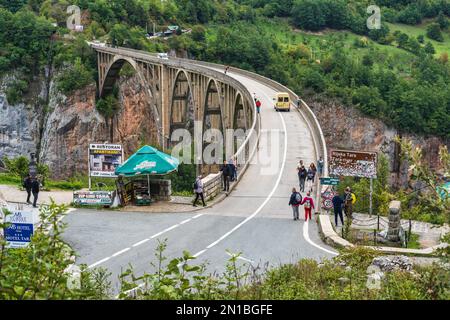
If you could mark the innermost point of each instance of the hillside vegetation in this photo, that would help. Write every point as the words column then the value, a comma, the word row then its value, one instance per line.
column 398, row 73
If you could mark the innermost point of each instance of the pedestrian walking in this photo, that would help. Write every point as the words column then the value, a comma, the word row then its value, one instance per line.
column 27, row 185
column 308, row 204
column 258, row 106
column 294, row 202
column 313, row 167
column 348, row 203
column 232, row 169
column 226, row 173
column 35, row 191
column 301, row 178
column 198, row 190
column 337, row 206
column 320, row 165
column 310, row 174
column 226, row 69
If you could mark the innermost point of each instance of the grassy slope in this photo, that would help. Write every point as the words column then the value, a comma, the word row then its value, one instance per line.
column 421, row 29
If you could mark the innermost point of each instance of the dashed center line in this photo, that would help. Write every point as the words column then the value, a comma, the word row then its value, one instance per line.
column 137, row 244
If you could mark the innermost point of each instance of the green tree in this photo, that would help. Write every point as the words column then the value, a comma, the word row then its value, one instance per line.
column 429, row 48
column 76, row 77
column 434, row 32
column 442, row 21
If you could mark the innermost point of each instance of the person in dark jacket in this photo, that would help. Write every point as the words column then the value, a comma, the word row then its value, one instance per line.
column 232, row 169
column 198, row 190
column 337, row 206
column 35, row 191
column 226, row 173
column 294, row 201
column 310, row 174
column 301, row 178
column 27, row 186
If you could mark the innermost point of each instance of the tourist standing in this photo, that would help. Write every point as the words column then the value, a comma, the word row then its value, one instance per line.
column 294, row 201
column 348, row 203
column 320, row 166
column 226, row 173
column 198, row 190
column 308, row 204
column 337, row 206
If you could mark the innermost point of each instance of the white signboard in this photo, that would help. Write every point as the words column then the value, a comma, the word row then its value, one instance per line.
column 104, row 159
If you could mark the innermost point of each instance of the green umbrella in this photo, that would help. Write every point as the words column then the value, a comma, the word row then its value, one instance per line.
column 148, row 161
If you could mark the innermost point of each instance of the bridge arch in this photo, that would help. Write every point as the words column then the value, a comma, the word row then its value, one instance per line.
column 181, row 111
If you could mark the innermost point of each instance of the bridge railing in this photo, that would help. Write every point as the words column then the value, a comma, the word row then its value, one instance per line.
column 248, row 148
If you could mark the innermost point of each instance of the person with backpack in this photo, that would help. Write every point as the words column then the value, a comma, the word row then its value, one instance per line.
column 258, row 106
column 301, row 178
column 27, row 185
column 35, row 191
column 294, row 201
column 198, row 190
column 348, row 203
column 308, row 204
column 310, row 174
column 337, row 206
column 226, row 173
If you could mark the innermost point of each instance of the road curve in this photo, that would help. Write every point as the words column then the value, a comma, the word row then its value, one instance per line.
column 254, row 219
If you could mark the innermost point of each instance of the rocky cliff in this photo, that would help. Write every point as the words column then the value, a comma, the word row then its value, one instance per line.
column 345, row 127
column 61, row 132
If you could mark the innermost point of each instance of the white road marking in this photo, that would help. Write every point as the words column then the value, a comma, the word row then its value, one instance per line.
column 265, row 201
column 140, row 242
column 145, row 240
column 120, row 252
column 98, row 262
column 242, row 258
column 306, row 236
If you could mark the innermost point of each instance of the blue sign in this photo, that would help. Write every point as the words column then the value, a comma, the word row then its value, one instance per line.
column 19, row 232
column 20, row 229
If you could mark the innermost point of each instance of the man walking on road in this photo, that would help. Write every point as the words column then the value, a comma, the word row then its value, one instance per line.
column 198, row 190
column 35, row 191
column 27, row 186
column 226, row 173
column 308, row 204
column 294, row 201
column 302, row 178
column 337, row 206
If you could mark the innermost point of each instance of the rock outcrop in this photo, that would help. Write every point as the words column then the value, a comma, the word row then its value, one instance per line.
column 345, row 127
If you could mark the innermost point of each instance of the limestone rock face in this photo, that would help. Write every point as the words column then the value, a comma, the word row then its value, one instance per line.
column 72, row 123
column 19, row 123
column 135, row 123
column 345, row 127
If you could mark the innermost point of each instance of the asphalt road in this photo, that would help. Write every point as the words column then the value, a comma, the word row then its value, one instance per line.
column 254, row 219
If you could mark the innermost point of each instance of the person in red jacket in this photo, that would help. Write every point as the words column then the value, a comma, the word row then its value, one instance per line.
column 258, row 106
column 308, row 204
